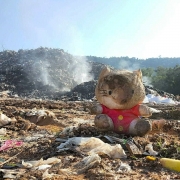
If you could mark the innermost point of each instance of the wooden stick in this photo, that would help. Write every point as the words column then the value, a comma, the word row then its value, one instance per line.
column 10, row 158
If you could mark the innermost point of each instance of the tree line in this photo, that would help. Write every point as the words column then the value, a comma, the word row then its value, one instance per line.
column 166, row 79
column 125, row 62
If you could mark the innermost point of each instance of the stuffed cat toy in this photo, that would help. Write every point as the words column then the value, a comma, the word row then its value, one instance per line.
column 120, row 94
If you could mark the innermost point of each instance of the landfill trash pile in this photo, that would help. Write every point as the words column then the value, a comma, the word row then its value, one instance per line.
column 47, row 131
column 48, row 139
column 51, row 74
column 83, row 91
column 43, row 72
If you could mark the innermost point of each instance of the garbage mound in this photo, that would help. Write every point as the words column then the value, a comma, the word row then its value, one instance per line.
column 48, row 73
column 44, row 72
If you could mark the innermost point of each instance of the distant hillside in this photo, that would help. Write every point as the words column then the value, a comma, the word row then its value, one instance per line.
column 134, row 63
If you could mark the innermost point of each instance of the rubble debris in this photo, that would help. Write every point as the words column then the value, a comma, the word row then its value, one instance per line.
column 133, row 149
column 78, row 124
column 39, row 142
column 149, row 150
column 41, row 117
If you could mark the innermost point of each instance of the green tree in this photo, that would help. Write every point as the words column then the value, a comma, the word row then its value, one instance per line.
column 159, row 79
column 148, row 72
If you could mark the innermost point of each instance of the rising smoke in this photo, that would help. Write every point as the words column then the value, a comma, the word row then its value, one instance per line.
column 124, row 64
column 147, row 81
column 80, row 69
column 55, row 68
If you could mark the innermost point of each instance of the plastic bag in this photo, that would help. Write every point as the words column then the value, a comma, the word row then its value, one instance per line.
column 92, row 145
column 88, row 162
column 4, row 119
column 10, row 144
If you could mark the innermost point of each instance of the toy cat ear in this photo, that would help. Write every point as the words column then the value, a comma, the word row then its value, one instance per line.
column 138, row 73
column 105, row 71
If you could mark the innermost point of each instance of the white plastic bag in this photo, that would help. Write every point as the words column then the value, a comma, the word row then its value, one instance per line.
column 4, row 119
column 88, row 162
column 92, row 145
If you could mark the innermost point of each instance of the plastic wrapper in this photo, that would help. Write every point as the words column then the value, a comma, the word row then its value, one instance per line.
column 10, row 144
column 3, row 131
column 88, row 162
column 124, row 168
column 94, row 146
column 4, row 119
column 41, row 164
column 150, row 150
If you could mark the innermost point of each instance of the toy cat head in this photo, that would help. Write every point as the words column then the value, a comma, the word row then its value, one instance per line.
column 120, row 89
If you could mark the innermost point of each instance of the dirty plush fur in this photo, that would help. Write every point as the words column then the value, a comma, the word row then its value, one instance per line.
column 121, row 90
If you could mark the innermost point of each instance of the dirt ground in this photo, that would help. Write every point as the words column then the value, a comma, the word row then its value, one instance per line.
column 38, row 127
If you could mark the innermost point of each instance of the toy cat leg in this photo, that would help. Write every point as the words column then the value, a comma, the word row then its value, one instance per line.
column 96, row 109
column 103, row 122
column 138, row 127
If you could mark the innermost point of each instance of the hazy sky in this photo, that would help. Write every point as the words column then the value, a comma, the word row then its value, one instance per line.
column 105, row 28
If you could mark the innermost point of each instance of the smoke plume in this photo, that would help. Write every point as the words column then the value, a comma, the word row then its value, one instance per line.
column 124, row 64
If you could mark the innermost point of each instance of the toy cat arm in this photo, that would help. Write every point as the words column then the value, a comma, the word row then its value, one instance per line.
column 146, row 111
column 96, row 109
